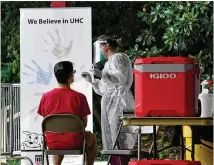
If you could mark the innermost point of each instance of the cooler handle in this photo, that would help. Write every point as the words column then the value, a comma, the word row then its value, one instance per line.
column 162, row 62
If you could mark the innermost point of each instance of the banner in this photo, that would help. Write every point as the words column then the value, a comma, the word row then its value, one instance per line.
column 48, row 36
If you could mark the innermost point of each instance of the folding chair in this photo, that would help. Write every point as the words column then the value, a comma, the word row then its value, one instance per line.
column 63, row 123
column 127, row 152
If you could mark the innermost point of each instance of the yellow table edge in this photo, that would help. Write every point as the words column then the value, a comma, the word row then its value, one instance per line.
column 148, row 121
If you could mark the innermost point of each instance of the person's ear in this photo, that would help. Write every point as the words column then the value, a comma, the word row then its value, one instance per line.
column 72, row 78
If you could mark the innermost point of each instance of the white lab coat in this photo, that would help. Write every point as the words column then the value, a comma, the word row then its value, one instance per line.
column 114, row 87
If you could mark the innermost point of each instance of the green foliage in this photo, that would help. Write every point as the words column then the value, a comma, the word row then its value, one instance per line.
column 143, row 29
column 6, row 72
column 115, row 18
column 13, row 162
column 10, row 53
column 176, row 29
column 161, row 155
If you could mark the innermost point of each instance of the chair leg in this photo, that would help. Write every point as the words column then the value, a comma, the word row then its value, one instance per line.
column 86, row 158
column 151, row 147
column 119, row 158
column 84, row 152
column 47, row 159
column 115, row 142
column 182, row 145
column 43, row 156
column 83, row 159
column 154, row 143
column 109, row 159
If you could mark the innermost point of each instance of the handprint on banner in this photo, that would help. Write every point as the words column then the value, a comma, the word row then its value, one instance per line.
column 33, row 113
column 38, row 74
column 34, row 109
column 35, row 119
column 59, row 50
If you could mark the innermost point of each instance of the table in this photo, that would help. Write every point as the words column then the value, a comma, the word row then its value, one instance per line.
column 166, row 121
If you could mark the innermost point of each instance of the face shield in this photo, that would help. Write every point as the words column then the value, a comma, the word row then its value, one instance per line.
column 98, row 57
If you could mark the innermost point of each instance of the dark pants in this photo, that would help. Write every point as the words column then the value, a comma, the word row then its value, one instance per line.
column 116, row 160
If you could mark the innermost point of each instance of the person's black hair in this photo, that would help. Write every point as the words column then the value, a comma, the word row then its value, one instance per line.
column 62, row 71
column 110, row 40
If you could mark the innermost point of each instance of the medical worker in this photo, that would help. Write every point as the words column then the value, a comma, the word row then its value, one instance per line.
column 114, row 87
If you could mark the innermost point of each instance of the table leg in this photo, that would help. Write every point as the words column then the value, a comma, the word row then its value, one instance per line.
column 182, row 144
column 193, row 144
column 154, row 143
column 139, row 143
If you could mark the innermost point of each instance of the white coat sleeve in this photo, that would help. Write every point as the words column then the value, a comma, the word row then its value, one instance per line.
column 116, row 72
column 99, row 87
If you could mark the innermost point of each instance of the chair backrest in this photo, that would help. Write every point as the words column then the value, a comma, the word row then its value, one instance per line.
column 62, row 123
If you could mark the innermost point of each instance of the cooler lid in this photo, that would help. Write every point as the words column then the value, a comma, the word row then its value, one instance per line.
column 166, row 60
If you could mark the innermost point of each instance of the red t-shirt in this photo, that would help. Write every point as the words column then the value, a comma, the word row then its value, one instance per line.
column 59, row 101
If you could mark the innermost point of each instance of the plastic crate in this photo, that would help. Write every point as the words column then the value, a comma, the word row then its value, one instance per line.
column 164, row 162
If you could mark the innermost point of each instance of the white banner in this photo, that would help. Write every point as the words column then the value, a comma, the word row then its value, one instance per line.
column 48, row 36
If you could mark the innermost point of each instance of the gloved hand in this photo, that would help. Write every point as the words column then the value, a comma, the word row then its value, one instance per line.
column 87, row 76
column 97, row 72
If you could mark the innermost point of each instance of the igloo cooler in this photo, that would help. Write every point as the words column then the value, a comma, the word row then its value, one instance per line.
column 164, row 162
column 166, row 86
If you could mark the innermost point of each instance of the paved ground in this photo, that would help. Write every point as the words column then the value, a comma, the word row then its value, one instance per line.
column 100, row 163
column 96, row 163
column 2, row 162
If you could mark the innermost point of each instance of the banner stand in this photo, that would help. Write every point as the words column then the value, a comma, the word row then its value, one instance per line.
column 48, row 36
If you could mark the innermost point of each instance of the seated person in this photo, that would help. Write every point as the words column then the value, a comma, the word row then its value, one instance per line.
column 64, row 100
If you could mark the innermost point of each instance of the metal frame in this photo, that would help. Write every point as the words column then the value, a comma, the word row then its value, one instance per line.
column 139, row 134
column 46, row 152
column 115, row 142
column 10, row 118
column 163, row 121
column 171, row 121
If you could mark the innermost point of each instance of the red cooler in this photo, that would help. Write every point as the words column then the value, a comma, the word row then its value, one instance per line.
column 166, row 86
column 164, row 162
